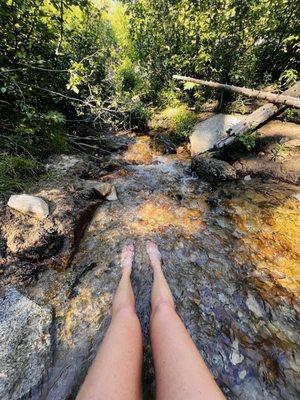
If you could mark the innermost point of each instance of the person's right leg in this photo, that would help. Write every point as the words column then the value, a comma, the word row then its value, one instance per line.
column 116, row 371
column 180, row 371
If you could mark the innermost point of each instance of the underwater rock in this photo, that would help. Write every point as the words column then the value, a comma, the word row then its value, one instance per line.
column 103, row 189
column 112, row 195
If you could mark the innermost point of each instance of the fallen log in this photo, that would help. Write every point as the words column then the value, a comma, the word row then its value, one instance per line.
column 257, row 118
column 256, row 94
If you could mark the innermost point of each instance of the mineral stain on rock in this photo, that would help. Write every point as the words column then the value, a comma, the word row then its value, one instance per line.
column 231, row 255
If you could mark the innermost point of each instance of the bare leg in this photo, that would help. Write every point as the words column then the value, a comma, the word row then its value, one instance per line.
column 116, row 371
column 179, row 368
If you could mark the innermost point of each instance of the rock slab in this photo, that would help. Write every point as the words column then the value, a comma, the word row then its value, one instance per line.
column 31, row 205
column 209, row 132
column 25, row 344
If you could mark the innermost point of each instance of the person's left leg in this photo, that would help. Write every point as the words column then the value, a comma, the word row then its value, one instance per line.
column 116, row 371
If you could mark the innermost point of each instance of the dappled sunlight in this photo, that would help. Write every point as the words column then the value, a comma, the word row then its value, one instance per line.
column 84, row 309
column 272, row 234
column 139, row 152
column 158, row 215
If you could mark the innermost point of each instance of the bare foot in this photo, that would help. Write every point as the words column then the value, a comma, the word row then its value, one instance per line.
column 154, row 254
column 127, row 257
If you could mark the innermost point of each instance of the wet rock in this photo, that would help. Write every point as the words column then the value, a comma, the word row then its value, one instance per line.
column 25, row 344
column 69, row 167
column 276, row 155
column 286, row 170
column 103, row 189
column 30, row 245
column 106, row 190
column 63, row 164
column 163, row 144
column 112, row 195
column 139, row 152
column 113, row 142
column 31, row 205
column 213, row 169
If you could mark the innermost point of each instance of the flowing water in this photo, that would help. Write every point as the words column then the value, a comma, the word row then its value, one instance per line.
column 231, row 257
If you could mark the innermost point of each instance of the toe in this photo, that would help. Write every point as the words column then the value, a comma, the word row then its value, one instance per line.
column 150, row 245
column 130, row 248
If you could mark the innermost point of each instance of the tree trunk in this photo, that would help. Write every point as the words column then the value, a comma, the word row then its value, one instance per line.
column 257, row 118
column 257, row 94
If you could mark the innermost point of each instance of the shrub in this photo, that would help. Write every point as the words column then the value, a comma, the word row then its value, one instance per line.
column 15, row 172
column 184, row 122
column 177, row 120
column 168, row 97
column 248, row 140
column 292, row 115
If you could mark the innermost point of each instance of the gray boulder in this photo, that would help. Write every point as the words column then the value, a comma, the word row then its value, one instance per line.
column 31, row 205
column 25, row 344
column 213, row 169
column 206, row 134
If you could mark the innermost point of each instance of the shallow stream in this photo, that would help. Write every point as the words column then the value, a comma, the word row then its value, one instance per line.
column 231, row 256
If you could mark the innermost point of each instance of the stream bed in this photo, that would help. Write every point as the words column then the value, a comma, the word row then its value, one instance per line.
column 231, row 256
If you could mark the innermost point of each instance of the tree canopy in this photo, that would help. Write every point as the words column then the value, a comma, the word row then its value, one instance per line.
column 108, row 61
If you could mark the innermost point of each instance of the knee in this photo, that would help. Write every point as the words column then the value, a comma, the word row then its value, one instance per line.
column 162, row 310
column 125, row 312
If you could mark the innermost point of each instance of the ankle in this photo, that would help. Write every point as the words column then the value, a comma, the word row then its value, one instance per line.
column 126, row 272
column 156, row 265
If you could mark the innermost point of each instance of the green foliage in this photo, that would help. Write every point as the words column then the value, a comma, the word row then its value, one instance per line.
column 248, row 140
column 127, row 77
column 178, row 121
column 279, row 151
column 184, row 123
column 241, row 105
column 236, row 42
column 15, row 171
column 110, row 61
column 288, row 77
column 63, row 60
column 168, row 97
column 292, row 115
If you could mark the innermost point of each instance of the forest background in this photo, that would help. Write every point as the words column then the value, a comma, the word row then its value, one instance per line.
column 109, row 65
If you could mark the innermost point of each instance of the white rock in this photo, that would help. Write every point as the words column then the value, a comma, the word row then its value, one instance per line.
column 207, row 133
column 31, row 205
column 296, row 196
column 253, row 306
column 242, row 374
column 236, row 357
column 113, row 195
column 247, row 178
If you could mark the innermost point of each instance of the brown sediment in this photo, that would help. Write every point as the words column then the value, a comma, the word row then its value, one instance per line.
column 159, row 215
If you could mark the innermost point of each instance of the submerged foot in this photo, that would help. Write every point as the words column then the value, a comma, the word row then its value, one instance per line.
column 127, row 257
column 154, row 254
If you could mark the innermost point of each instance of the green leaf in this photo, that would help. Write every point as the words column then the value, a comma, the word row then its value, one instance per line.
column 189, row 85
